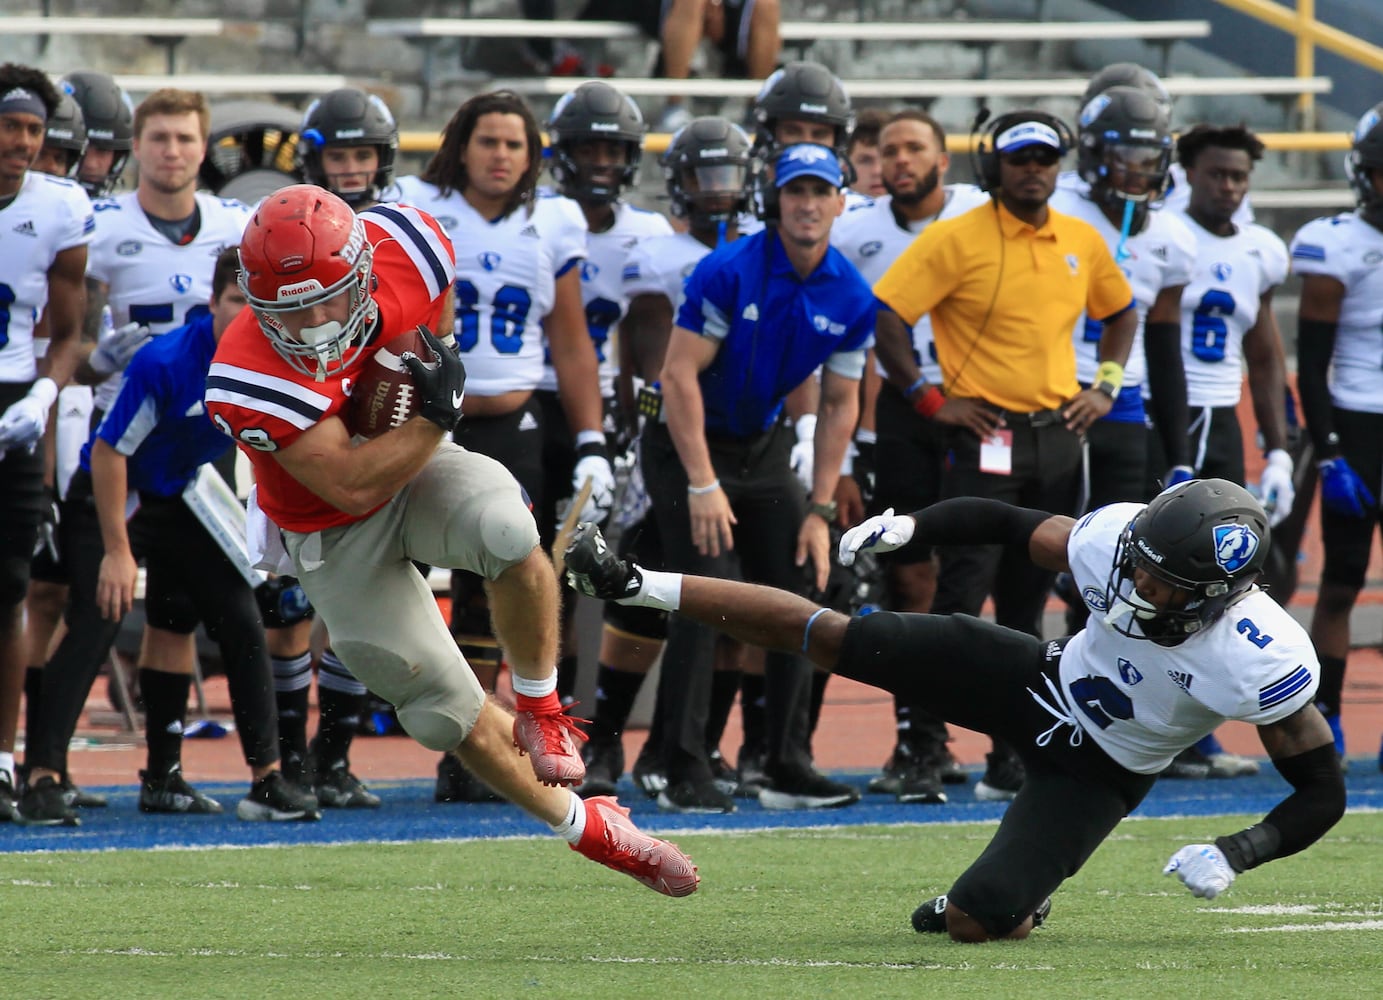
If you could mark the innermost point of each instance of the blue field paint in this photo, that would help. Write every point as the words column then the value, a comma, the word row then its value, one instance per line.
column 409, row 814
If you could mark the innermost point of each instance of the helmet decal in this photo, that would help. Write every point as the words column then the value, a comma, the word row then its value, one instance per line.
column 1235, row 545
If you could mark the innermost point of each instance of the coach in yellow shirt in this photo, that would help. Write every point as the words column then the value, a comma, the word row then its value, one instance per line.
column 1005, row 284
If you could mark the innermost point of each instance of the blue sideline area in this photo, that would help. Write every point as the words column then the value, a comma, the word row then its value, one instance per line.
column 409, row 814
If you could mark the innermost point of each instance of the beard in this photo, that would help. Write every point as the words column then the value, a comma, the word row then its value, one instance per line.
column 920, row 192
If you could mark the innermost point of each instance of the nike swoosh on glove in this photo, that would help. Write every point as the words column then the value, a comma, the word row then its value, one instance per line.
column 1202, row 869
column 880, row 533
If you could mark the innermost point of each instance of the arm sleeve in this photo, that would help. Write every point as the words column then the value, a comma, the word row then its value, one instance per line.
column 1315, row 346
column 1167, row 387
column 974, row 521
column 1316, row 804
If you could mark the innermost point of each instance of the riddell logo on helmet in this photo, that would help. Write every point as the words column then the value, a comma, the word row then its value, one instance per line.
column 1150, row 552
column 812, row 109
column 299, row 290
column 604, row 126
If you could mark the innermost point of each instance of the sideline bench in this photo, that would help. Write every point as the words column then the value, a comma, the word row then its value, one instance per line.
column 166, row 32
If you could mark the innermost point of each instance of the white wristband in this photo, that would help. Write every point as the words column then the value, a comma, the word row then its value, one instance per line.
column 701, row 491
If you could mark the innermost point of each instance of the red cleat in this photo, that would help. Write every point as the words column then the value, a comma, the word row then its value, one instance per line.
column 550, row 738
column 612, row 839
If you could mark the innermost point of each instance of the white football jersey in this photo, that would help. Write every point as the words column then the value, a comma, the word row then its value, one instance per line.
column 1161, row 256
column 47, row 216
column 602, row 286
column 870, row 238
column 661, row 265
column 1142, row 702
column 506, row 280
column 1220, row 305
column 1350, row 250
column 150, row 279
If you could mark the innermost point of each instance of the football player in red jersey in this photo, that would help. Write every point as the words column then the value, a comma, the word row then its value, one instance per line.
column 326, row 287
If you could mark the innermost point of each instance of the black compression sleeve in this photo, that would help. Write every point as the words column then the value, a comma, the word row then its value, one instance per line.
column 975, row 521
column 1167, row 387
column 1315, row 345
column 1316, row 804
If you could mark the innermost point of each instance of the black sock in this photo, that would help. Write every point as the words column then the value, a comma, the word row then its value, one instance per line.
column 752, row 711
column 33, row 684
column 340, row 718
column 566, row 678
column 1331, row 690
column 819, row 679
column 615, row 692
column 725, row 686
column 165, row 708
column 292, row 680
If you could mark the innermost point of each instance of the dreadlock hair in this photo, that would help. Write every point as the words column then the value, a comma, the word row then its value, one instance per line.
column 1194, row 142
column 447, row 172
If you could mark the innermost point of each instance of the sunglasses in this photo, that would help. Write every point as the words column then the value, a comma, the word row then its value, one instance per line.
column 1043, row 156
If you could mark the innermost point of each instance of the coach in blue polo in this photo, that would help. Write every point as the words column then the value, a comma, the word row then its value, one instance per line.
column 757, row 318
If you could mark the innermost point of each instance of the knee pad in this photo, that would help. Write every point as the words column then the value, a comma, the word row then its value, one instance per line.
column 433, row 729
column 508, row 534
column 436, row 704
column 14, row 580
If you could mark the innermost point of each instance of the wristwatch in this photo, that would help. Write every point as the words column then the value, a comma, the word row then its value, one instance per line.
column 826, row 511
column 1107, row 388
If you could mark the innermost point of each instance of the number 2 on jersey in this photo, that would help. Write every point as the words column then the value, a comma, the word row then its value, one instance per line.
column 1208, row 329
column 508, row 313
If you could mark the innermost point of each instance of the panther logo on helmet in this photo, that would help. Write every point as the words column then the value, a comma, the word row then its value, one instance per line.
column 1235, row 546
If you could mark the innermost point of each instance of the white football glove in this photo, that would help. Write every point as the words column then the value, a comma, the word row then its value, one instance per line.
column 880, row 533
column 803, row 455
column 1202, row 869
column 1276, row 487
column 602, row 477
column 23, row 423
column 116, row 348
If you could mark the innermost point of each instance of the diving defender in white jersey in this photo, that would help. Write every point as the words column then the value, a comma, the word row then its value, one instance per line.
column 1179, row 640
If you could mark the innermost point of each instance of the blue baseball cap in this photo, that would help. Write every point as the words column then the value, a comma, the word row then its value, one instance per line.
column 807, row 159
column 1029, row 133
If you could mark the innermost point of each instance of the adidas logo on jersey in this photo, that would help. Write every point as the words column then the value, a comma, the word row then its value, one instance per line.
column 1181, row 679
column 751, row 313
column 530, row 230
column 528, row 422
column 26, row 228
column 1160, row 253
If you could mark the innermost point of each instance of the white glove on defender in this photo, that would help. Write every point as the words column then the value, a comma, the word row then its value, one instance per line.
column 881, row 533
column 803, row 457
column 25, row 420
column 1276, row 487
column 1202, row 869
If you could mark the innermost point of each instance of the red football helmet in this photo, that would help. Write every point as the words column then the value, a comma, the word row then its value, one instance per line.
column 304, row 247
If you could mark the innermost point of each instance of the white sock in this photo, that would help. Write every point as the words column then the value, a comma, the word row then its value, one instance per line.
column 660, row 590
column 530, row 688
column 7, row 767
column 574, row 826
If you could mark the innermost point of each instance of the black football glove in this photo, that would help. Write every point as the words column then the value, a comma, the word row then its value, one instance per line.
column 441, row 388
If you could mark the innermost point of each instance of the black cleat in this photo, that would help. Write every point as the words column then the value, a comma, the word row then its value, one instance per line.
column 593, row 568
column 456, row 784
column 648, row 773
column 604, row 760
column 275, row 799
column 44, row 805
column 1003, row 777
column 699, row 796
column 796, row 787
column 171, row 793
column 80, row 798
column 930, row 917
column 337, row 788
column 9, row 801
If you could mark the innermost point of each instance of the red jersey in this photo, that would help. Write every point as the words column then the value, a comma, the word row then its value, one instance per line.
column 265, row 404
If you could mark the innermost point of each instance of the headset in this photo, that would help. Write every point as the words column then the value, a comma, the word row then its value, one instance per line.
column 985, row 161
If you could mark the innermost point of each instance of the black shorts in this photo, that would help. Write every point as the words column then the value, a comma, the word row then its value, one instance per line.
column 910, row 453
column 1348, row 540
column 1217, row 447
column 1118, row 462
column 1073, row 796
column 21, row 508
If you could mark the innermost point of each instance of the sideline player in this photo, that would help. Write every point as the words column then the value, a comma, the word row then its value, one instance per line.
column 326, row 287
column 1338, row 373
column 1179, row 640
column 45, row 227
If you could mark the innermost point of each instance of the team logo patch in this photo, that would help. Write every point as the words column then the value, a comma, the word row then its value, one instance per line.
column 128, row 248
column 589, row 270
column 871, row 248
column 1128, row 673
column 489, row 260
column 1221, row 271
column 1092, row 110
column 1095, row 599
column 182, row 283
column 1073, row 262
column 1235, row 545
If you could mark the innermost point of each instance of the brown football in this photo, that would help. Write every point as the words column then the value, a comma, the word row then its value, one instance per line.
column 383, row 396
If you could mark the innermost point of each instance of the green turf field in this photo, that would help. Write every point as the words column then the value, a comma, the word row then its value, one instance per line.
column 790, row 913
